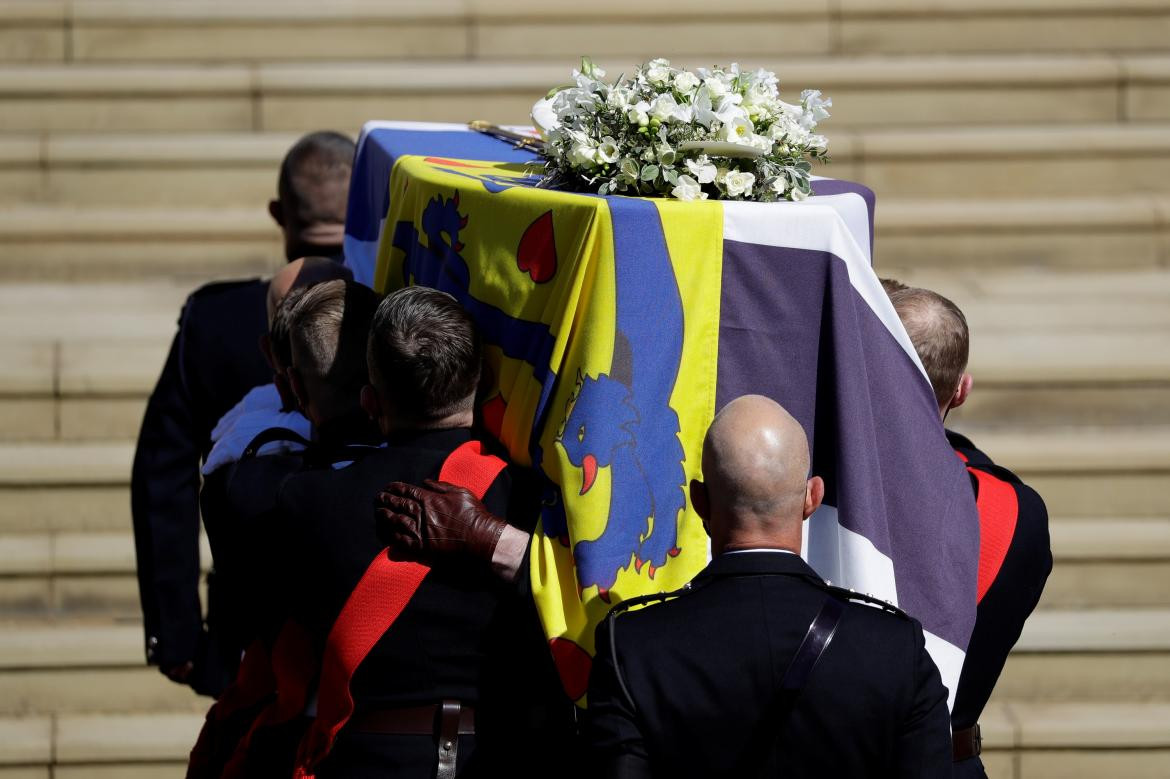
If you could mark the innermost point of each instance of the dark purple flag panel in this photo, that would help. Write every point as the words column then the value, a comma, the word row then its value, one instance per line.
column 793, row 328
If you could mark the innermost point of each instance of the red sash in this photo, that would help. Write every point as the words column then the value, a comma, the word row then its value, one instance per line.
column 999, row 510
column 373, row 606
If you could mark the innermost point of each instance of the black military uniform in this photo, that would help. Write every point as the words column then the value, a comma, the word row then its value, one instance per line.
column 214, row 360
column 239, row 507
column 692, row 687
column 1015, row 558
column 463, row 636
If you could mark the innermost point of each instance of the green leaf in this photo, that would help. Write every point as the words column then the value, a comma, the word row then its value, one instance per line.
column 649, row 172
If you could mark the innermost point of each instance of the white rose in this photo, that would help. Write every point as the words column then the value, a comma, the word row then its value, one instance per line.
column 716, row 86
column 818, row 142
column 686, row 82
column 639, row 113
column 779, row 185
column 799, row 194
column 620, row 98
column 664, row 106
column 658, row 71
column 738, row 183
column 702, row 170
column 607, row 150
column 688, row 189
column 761, row 142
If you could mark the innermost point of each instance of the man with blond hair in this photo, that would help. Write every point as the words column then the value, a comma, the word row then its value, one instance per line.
column 1015, row 555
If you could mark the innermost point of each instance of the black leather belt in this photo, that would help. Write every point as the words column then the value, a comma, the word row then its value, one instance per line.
column 967, row 742
column 415, row 720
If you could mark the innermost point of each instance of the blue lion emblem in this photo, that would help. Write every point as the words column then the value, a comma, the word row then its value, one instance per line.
column 623, row 420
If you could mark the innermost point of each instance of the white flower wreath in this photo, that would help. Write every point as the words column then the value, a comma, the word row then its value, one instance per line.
column 715, row 132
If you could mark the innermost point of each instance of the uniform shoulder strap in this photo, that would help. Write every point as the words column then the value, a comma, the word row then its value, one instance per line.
column 863, row 597
column 372, row 608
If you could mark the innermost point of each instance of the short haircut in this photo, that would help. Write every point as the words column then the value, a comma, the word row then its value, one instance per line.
column 424, row 354
column 892, row 285
column 278, row 331
column 938, row 330
column 328, row 327
column 314, row 177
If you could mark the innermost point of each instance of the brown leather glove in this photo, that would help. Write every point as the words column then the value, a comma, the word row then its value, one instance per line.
column 436, row 520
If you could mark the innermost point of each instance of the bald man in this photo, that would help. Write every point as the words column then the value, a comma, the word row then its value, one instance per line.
column 758, row 667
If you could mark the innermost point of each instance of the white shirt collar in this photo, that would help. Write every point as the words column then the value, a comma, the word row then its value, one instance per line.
column 745, row 551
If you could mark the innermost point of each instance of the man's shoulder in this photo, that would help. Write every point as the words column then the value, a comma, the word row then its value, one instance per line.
column 227, row 289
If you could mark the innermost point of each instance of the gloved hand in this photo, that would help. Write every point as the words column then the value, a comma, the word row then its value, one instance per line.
column 436, row 520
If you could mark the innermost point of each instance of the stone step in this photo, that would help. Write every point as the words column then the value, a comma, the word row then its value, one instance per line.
column 180, row 170
column 135, row 746
column 966, row 90
column 77, row 242
column 1078, row 740
column 147, row 30
column 1109, row 563
column 1090, row 654
column 1088, row 472
column 71, row 574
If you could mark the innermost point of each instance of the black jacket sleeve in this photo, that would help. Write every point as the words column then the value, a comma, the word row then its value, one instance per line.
column 924, row 746
column 164, row 500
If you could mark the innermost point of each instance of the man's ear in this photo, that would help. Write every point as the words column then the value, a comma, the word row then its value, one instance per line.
column 298, row 389
column 276, row 212
column 814, row 493
column 699, row 499
column 700, row 502
column 962, row 391
column 370, row 402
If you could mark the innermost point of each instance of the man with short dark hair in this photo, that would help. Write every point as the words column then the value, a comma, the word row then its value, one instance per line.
column 212, row 363
column 758, row 667
column 451, row 663
column 1015, row 555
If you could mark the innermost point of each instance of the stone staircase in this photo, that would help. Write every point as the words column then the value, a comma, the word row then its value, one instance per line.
column 1020, row 152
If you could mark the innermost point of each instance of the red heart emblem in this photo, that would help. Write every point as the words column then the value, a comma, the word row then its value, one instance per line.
column 537, row 253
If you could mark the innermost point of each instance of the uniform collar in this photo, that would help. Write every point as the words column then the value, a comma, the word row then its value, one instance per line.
column 435, row 438
column 748, row 563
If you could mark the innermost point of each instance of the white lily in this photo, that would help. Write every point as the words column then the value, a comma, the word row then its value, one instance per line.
column 607, row 150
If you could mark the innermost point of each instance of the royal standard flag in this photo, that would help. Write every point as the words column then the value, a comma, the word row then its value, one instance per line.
column 616, row 327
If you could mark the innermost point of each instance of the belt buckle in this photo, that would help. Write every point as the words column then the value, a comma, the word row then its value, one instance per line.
column 977, row 740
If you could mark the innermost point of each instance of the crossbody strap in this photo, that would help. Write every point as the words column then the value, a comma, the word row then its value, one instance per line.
column 762, row 761
column 372, row 608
